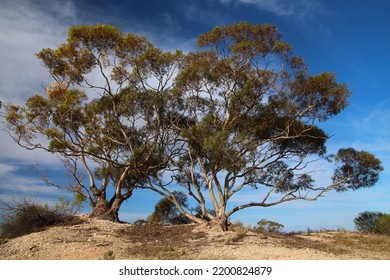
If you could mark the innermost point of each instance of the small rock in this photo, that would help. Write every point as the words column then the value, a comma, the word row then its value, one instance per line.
column 33, row 247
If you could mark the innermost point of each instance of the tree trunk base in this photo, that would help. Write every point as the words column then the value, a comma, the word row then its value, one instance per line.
column 219, row 224
column 103, row 211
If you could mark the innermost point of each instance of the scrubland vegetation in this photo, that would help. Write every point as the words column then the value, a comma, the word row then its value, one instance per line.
column 36, row 231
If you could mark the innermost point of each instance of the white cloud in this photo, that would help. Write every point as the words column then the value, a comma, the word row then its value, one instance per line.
column 364, row 128
column 15, row 187
column 10, row 151
column 25, row 186
column 26, row 28
column 373, row 121
column 6, row 168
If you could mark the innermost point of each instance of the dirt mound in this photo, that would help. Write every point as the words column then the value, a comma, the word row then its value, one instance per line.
column 88, row 239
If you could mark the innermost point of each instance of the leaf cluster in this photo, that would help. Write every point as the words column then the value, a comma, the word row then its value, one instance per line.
column 357, row 169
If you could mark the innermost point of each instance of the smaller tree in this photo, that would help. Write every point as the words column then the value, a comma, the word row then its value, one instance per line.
column 268, row 226
column 367, row 221
column 167, row 213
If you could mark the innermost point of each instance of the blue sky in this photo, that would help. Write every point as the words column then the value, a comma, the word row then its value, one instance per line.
column 349, row 38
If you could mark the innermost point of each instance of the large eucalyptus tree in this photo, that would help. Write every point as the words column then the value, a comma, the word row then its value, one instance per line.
column 251, row 116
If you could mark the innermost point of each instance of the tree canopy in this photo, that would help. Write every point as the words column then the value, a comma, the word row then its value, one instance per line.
column 241, row 112
column 102, row 113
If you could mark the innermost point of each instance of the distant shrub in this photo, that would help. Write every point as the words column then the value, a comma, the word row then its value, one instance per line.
column 268, row 226
column 367, row 221
column 239, row 227
column 26, row 216
column 167, row 213
column 140, row 222
column 383, row 225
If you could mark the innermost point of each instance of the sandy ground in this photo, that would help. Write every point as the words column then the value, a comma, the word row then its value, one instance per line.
column 89, row 239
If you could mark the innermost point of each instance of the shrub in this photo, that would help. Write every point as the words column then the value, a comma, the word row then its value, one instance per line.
column 383, row 225
column 70, row 208
column 26, row 216
column 140, row 222
column 367, row 221
column 268, row 226
column 167, row 213
column 109, row 255
column 239, row 227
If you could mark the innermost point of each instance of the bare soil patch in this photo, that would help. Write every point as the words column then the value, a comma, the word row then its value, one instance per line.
column 88, row 239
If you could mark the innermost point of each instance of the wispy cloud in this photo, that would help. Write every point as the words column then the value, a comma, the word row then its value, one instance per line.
column 299, row 9
column 14, row 186
column 308, row 15
column 364, row 128
column 374, row 120
column 27, row 27
column 6, row 168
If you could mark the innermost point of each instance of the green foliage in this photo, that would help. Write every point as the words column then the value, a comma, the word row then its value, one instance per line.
column 70, row 208
column 167, row 213
column 357, row 169
column 268, row 226
column 26, row 216
column 373, row 222
column 383, row 225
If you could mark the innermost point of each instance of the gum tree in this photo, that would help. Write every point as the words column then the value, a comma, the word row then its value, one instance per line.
column 102, row 115
column 251, row 116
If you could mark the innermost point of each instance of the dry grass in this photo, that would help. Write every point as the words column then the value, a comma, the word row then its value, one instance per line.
column 161, row 242
column 340, row 242
column 93, row 239
column 158, row 252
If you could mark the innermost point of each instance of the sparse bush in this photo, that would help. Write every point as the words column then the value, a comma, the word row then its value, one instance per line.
column 367, row 221
column 26, row 216
column 268, row 226
column 70, row 208
column 239, row 227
